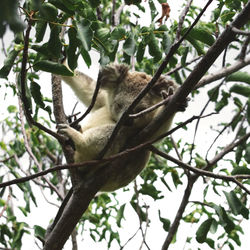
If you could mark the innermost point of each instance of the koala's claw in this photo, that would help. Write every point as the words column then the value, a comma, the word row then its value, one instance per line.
column 62, row 129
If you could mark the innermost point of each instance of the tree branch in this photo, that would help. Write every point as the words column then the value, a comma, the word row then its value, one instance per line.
column 156, row 76
column 182, row 18
column 23, row 75
column 89, row 165
column 223, row 72
column 201, row 172
column 199, row 70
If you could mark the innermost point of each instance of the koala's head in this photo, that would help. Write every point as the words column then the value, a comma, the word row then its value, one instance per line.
column 123, row 87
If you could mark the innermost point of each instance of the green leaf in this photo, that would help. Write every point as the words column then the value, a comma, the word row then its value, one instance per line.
column 140, row 52
column 203, row 35
column 71, row 50
column 184, row 56
column 240, row 170
column 60, row 5
column 239, row 77
column 35, row 90
column 196, row 44
column 102, row 34
column 247, row 153
column 166, row 42
column 153, row 10
column 54, row 44
column 129, row 46
column 225, row 221
column 118, row 33
column 49, row 11
column 248, row 111
column 150, row 190
column 233, row 202
column 166, row 222
column 154, row 49
column 223, row 101
column 120, row 215
column 200, row 162
column 84, row 33
column 53, row 67
column 213, row 93
column 241, row 90
column 86, row 57
column 95, row 3
column 236, row 205
column 8, row 63
column 227, row 15
column 40, row 30
column 39, row 231
column 201, row 234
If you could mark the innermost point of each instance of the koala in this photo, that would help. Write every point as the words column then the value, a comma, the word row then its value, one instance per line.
column 119, row 87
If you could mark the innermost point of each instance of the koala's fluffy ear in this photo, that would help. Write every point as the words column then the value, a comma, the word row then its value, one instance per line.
column 112, row 74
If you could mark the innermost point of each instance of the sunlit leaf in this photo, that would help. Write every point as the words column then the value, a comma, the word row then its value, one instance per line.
column 84, row 33
column 52, row 67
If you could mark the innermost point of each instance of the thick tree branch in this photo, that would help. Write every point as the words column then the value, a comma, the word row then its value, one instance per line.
column 200, row 69
column 156, row 76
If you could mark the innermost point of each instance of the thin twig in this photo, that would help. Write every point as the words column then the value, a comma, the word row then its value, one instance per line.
column 30, row 153
column 179, row 66
column 182, row 18
column 98, row 85
column 88, row 165
column 150, row 109
column 222, row 131
column 243, row 51
column 201, row 172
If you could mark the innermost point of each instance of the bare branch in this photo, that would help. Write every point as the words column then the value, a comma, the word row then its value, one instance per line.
column 179, row 66
column 240, row 32
column 226, row 150
column 223, row 72
column 182, row 18
column 243, row 51
column 150, row 109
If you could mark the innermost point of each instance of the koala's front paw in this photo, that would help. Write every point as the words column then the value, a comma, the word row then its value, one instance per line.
column 63, row 129
column 182, row 106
